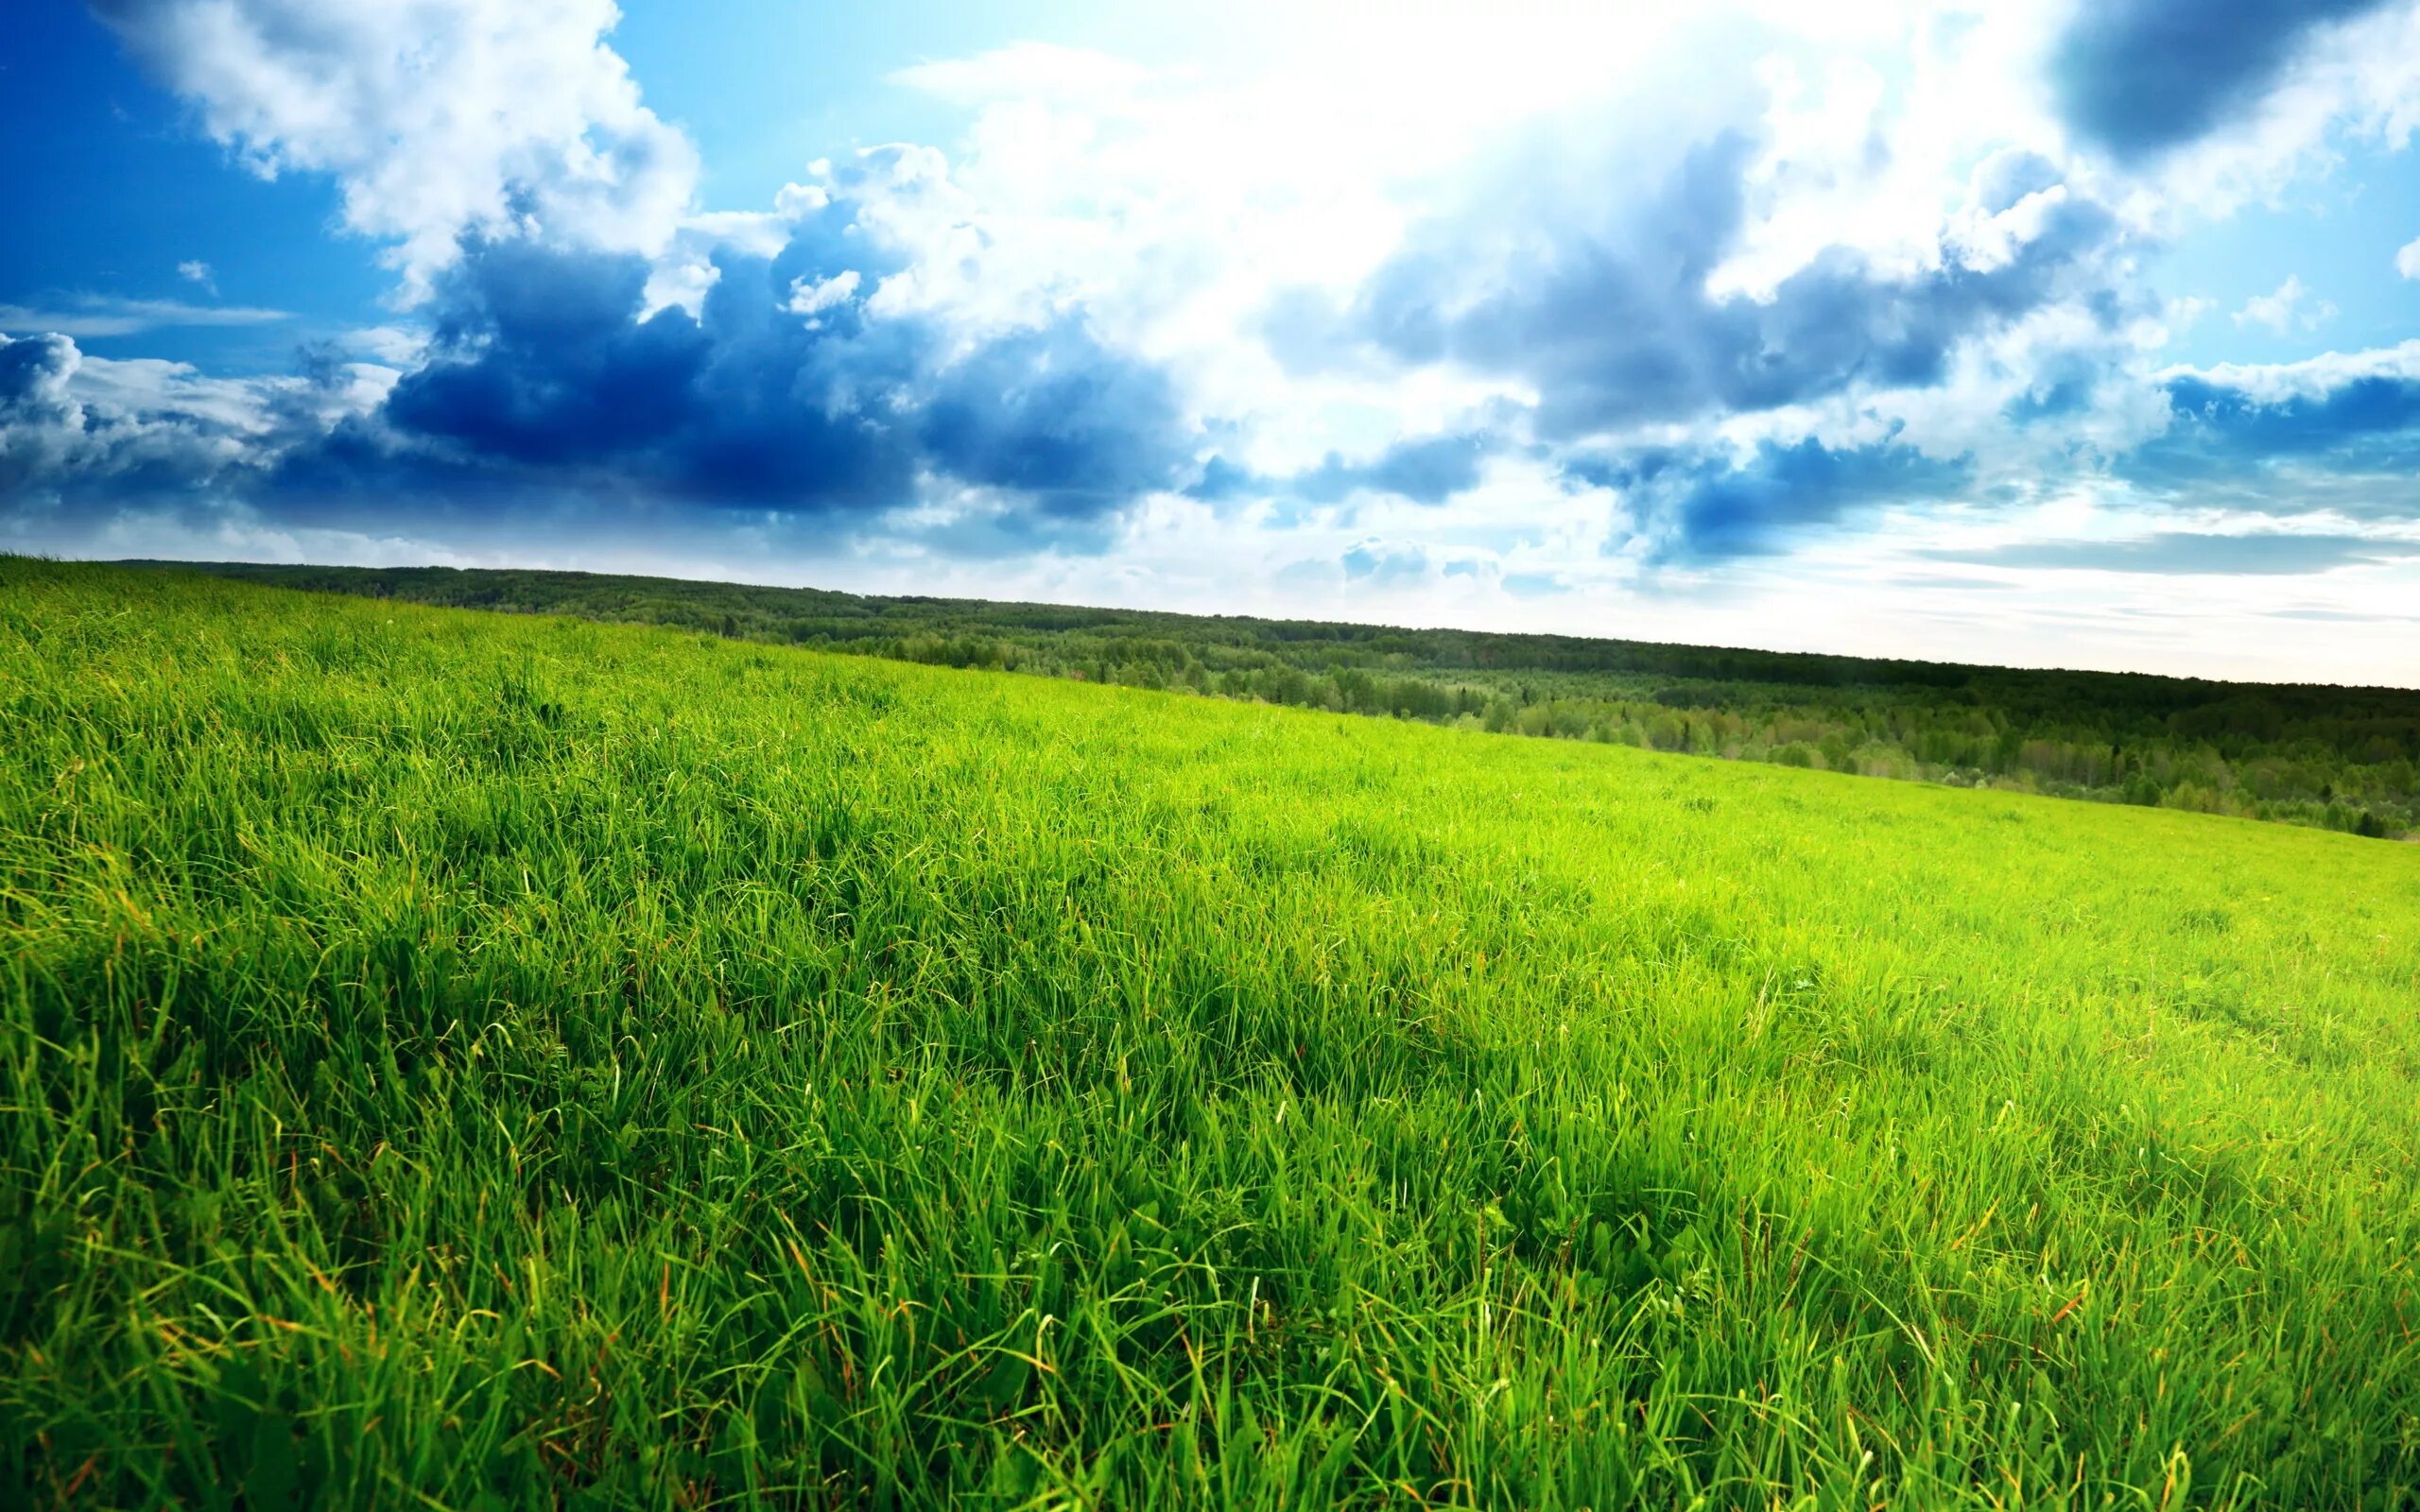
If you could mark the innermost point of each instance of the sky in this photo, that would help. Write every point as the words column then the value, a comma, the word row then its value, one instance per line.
column 2019, row 332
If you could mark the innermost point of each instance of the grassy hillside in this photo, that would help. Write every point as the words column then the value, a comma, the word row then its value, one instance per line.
column 2343, row 759
column 457, row 1061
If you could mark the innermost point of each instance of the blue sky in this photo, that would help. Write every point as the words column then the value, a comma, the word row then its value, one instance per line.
column 2023, row 332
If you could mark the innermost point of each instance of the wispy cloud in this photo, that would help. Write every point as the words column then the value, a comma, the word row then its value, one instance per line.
column 198, row 271
column 89, row 315
column 2274, row 553
column 2284, row 309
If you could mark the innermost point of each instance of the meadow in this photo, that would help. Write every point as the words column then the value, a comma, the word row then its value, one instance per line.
column 2337, row 758
column 461, row 1060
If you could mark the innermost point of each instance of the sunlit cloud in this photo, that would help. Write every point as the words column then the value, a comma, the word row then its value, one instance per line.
column 1755, row 316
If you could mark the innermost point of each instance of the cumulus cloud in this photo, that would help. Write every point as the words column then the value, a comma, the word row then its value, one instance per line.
column 79, row 427
column 197, row 271
column 970, row 355
column 436, row 117
column 39, row 422
column 1534, row 313
column 2407, row 258
column 821, row 373
column 547, row 372
column 1604, row 311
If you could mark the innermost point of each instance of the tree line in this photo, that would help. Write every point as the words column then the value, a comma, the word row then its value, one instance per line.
column 2342, row 758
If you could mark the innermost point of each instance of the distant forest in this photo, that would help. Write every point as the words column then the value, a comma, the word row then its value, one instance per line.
column 2340, row 758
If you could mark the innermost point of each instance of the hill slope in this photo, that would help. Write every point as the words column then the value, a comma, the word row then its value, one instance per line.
column 2337, row 758
column 508, row 1061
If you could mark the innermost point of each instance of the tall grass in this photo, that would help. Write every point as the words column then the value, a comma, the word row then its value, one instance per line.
column 464, row 1061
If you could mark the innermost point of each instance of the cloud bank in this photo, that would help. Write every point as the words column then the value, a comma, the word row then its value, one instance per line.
column 1778, row 286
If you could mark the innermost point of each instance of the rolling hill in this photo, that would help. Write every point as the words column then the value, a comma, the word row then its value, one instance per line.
column 2337, row 758
column 470, row 1060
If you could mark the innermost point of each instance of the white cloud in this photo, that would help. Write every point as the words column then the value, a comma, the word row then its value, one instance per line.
column 149, row 390
column 2271, row 383
column 198, row 271
column 1171, row 205
column 68, row 417
column 395, row 346
column 436, row 117
column 2287, row 308
column 63, row 416
column 686, row 270
column 2407, row 258
column 813, row 297
column 1166, row 207
column 89, row 315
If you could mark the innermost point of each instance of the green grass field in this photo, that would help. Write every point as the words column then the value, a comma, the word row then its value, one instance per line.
column 477, row 1061
column 2335, row 758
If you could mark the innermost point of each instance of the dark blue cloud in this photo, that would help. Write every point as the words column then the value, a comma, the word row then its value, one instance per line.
column 544, row 377
column 1052, row 415
column 1429, row 470
column 539, row 360
column 1700, row 506
column 2361, row 409
column 1609, row 319
column 2354, row 446
column 150, row 435
column 1222, row 480
column 550, row 395
column 2140, row 76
